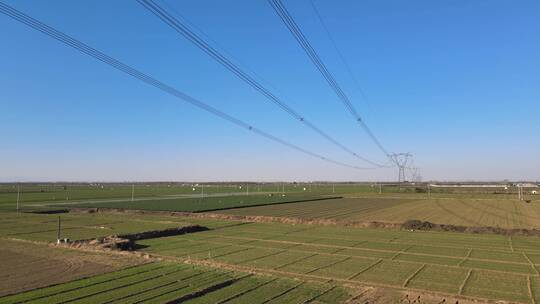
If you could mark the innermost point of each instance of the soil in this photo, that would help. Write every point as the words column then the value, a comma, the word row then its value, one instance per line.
column 376, row 295
column 127, row 241
column 25, row 265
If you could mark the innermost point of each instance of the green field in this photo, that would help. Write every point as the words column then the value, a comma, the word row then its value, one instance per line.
column 431, row 261
column 238, row 261
column 43, row 227
column 456, row 211
column 35, row 193
column 195, row 204
column 58, row 192
column 181, row 283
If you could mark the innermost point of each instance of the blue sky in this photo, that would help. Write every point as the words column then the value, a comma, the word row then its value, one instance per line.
column 456, row 83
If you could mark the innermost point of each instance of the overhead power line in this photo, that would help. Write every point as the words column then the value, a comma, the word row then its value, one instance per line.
column 182, row 28
column 338, row 51
column 88, row 50
column 295, row 30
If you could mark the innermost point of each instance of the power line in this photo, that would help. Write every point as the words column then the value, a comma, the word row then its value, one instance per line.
column 88, row 50
column 340, row 54
column 191, row 36
column 295, row 30
column 219, row 46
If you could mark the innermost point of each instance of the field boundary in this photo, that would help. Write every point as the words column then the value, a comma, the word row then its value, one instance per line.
column 529, row 287
column 336, row 253
column 317, row 278
column 462, row 286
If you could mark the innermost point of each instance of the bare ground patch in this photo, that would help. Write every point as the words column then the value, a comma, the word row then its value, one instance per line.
column 27, row 265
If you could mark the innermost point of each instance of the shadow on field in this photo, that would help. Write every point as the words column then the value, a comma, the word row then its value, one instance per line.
column 54, row 211
column 428, row 226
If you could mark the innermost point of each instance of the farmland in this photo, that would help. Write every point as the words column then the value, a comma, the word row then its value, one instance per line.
column 252, row 260
column 43, row 227
column 52, row 192
column 454, row 211
column 46, row 194
column 196, row 204
column 450, row 263
column 27, row 266
column 166, row 282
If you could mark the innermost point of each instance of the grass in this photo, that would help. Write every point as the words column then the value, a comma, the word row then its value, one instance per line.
column 161, row 282
column 438, row 278
column 490, row 266
column 428, row 259
column 380, row 257
column 78, row 226
column 456, row 211
column 501, row 286
column 388, row 272
column 312, row 263
column 32, row 193
column 195, row 204
column 345, row 268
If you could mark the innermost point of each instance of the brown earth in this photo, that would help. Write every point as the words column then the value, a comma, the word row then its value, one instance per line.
column 25, row 265
column 376, row 295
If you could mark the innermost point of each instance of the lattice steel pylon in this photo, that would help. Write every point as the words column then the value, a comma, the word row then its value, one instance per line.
column 401, row 160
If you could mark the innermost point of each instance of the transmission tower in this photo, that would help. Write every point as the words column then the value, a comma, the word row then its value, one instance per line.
column 401, row 160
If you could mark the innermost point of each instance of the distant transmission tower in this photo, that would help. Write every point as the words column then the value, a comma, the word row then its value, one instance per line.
column 415, row 175
column 401, row 160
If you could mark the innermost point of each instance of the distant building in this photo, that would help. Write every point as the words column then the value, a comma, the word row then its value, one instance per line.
column 528, row 185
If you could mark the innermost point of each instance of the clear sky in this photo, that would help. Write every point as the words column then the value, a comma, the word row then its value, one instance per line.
column 455, row 82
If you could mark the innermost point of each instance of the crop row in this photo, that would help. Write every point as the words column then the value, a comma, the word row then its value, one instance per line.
column 436, row 273
column 455, row 243
column 165, row 282
column 518, row 261
column 456, row 211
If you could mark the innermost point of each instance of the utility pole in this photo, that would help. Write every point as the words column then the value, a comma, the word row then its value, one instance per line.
column 282, row 189
column 58, row 231
column 202, row 190
column 380, row 188
column 132, row 192
column 333, row 188
column 18, row 196
column 247, row 190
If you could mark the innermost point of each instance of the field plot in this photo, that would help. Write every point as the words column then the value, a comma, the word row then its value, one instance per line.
column 58, row 192
column 463, row 212
column 43, row 227
column 497, row 285
column 26, row 266
column 453, row 263
column 339, row 209
column 195, row 204
column 52, row 192
column 162, row 282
